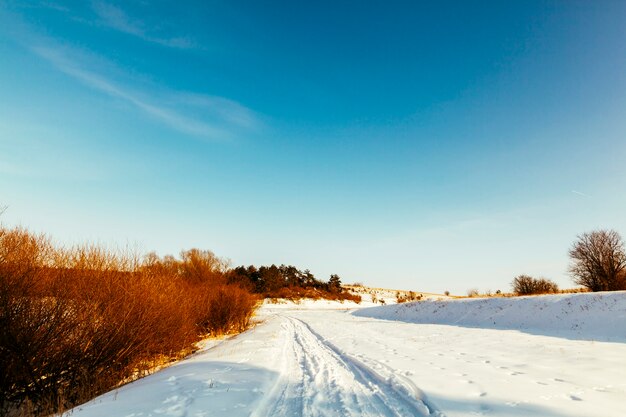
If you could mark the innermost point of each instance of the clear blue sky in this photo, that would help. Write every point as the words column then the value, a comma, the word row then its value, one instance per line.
column 431, row 146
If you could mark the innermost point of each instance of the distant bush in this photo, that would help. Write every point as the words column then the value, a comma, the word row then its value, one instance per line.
column 472, row 292
column 527, row 285
column 403, row 297
column 77, row 322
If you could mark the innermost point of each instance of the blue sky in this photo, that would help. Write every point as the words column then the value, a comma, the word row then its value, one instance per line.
column 431, row 146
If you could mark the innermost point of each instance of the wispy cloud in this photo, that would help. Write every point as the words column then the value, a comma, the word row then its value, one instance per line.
column 192, row 113
column 54, row 6
column 218, row 118
column 115, row 18
column 581, row 194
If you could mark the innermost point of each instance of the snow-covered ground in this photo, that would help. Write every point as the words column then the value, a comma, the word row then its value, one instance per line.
column 305, row 360
column 375, row 296
column 597, row 316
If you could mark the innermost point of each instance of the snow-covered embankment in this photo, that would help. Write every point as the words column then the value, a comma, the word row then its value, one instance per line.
column 584, row 316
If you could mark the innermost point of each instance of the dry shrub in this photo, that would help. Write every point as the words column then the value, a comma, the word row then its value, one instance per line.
column 403, row 297
column 526, row 285
column 203, row 266
column 224, row 309
column 473, row 292
column 77, row 322
column 351, row 297
column 298, row 293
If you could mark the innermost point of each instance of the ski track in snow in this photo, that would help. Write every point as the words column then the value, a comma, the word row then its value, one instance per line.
column 320, row 381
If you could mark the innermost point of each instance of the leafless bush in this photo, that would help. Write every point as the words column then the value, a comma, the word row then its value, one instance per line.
column 76, row 322
column 224, row 309
column 527, row 285
column 472, row 292
column 407, row 296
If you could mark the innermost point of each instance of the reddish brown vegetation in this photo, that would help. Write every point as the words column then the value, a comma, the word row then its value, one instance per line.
column 298, row 293
column 76, row 322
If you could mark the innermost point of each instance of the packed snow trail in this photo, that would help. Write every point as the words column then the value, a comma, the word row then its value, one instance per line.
column 311, row 360
column 320, row 381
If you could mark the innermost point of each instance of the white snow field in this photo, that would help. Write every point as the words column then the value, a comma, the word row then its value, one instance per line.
column 312, row 359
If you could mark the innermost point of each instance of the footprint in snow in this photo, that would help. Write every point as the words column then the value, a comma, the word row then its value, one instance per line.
column 172, row 399
column 483, row 409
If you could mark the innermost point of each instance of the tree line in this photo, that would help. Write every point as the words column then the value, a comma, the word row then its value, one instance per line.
column 267, row 280
column 287, row 281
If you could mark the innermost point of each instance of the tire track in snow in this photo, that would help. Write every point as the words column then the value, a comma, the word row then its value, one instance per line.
column 317, row 380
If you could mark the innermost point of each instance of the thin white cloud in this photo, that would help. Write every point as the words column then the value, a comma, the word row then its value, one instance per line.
column 221, row 107
column 224, row 116
column 115, row 18
column 203, row 116
column 581, row 194
column 55, row 6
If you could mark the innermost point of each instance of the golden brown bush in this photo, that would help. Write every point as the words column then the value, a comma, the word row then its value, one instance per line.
column 76, row 322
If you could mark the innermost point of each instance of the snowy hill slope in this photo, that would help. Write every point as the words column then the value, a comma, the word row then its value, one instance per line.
column 375, row 295
column 584, row 316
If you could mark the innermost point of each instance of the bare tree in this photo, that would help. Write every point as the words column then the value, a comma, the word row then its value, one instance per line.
column 599, row 261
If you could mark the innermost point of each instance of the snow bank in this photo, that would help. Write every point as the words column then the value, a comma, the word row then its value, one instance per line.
column 586, row 316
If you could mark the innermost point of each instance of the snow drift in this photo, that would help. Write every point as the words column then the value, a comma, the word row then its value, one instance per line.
column 584, row 316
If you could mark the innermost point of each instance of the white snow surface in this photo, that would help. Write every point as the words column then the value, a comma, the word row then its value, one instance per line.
column 599, row 316
column 314, row 360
